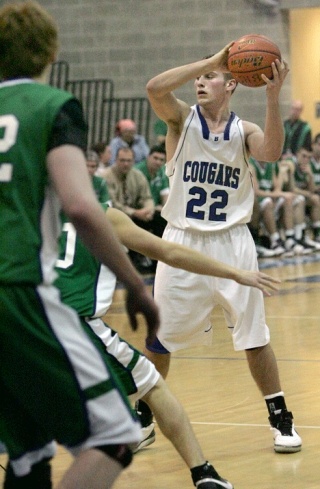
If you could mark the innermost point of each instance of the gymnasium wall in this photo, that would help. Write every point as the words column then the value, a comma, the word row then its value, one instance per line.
column 132, row 40
column 305, row 62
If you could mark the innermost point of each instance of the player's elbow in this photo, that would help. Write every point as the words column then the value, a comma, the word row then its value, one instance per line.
column 78, row 209
column 153, row 88
column 272, row 154
column 274, row 157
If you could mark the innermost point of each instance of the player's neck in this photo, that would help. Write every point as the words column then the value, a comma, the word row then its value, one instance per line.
column 44, row 76
column 216, row 119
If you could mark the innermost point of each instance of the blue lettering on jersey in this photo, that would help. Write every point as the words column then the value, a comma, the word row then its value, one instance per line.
column 205, row 172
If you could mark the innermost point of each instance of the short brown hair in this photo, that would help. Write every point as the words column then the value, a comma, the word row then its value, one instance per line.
column 28, row 39
column 92, row 156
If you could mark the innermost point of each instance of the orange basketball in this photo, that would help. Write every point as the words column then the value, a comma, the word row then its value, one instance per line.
column 250, row 57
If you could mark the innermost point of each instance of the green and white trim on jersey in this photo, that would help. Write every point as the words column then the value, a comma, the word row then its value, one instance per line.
column 264, row 173
column 50, row 348
column 88, row 287
column 315, row 166
column 85, row 284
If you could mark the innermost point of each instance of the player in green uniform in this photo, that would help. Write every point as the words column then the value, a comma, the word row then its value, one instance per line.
column 277, row 205
column 304, row 178
column 263, row 178
column 315, row 166
column 99, row 183
column 300, row 180
column 55, row 382
column 153, row 169
column 87, row 286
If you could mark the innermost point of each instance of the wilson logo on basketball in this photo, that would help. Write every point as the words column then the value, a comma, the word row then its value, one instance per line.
column 251, row 60
column 252, row 56
column 246, row 43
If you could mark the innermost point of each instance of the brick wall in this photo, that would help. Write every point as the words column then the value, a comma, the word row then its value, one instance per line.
column 132, row 40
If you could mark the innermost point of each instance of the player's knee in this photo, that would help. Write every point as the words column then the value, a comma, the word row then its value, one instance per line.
column 315, row 199
column 121, row 453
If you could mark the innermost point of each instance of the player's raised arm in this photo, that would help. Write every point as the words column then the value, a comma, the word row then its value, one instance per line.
column 267, row 145
column 163, row 101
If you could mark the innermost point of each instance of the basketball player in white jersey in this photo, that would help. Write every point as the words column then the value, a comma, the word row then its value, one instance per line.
column 208, row 208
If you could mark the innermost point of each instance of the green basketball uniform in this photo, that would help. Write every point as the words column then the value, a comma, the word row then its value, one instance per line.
column 100, row 188
column 301, row 179
column 159, row 185
column 49, row 389
column 88, row 287
column 315, row 166
column 264, row 174
column 85, row 284
column 29, row 226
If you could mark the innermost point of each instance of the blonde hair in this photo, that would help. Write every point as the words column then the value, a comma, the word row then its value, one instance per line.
column 28, row 39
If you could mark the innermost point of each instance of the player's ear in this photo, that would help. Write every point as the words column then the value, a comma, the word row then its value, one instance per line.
column 231, row 85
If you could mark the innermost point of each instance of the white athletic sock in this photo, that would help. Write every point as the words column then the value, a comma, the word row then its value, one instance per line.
column 274, row 237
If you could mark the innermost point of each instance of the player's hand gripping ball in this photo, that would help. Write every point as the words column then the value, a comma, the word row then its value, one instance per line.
column 250, row 57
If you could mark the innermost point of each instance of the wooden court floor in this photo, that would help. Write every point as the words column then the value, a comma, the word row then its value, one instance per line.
column 227, row 412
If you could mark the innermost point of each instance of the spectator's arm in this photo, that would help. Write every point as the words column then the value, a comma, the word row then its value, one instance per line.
column 145, row 198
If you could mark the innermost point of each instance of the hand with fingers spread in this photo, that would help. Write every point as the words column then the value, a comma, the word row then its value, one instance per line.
column 259, row 280
column 280, row 69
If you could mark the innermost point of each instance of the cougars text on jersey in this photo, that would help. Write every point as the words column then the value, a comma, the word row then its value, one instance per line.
column 212, row 173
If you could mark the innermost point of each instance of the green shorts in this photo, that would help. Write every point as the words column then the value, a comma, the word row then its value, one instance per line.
column 55, row 383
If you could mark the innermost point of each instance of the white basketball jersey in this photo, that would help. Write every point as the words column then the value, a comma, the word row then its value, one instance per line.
column 210, row 181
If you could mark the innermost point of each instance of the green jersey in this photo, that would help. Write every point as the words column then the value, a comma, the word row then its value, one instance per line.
column 315, row 166
column 301, row 179
column 264, row 174
column 158, row 184
column 100, row 189
column 85, row 284
column 29, row 209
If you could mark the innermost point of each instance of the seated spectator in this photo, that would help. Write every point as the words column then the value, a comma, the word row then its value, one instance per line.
column 129, row 191
column 303, row 183
column 127, row 137
column 99, row 184
column 154, row 171
column 298, row 205
column 315, row 162
column 103, row 151
column 278, row 206
column 254, row 227
column 297, row 131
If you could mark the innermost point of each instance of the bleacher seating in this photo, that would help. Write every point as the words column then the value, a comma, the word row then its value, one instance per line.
column 101, row 109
